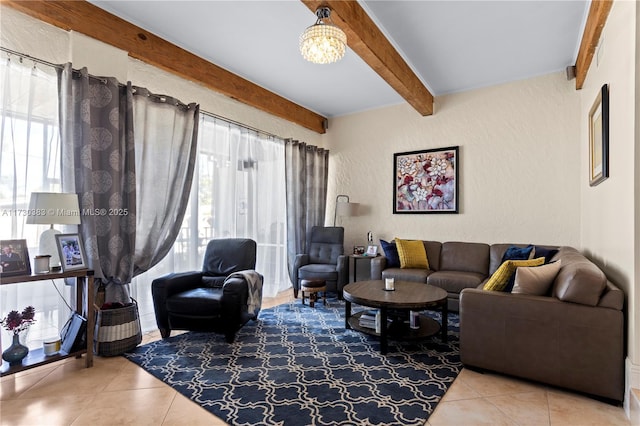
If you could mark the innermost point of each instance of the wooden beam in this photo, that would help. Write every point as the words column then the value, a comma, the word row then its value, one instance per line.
column 598, row 13
column 366, row 39
column 99, row 24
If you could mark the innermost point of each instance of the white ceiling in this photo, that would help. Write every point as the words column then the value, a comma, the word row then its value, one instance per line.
column 452, row 46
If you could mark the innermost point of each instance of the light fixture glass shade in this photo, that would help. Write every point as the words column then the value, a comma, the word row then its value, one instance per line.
column 323, row 43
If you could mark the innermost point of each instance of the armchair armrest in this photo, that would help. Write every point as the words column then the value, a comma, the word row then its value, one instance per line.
column 164, row 287
column 343, row 273
column 300, row 260
column 378, row 264
column 170, row 284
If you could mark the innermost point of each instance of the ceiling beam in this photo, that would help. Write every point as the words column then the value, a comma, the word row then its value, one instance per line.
column 366, row 39
column 598, row 13
column 99, row 24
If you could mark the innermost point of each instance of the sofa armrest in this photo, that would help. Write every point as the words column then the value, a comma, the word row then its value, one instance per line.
column 378, row 264
column 542, row 338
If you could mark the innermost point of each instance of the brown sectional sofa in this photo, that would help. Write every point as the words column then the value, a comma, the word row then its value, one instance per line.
column 572, row 337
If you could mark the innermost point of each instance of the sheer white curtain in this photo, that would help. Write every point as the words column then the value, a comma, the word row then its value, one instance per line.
column 238, row 190
column 29, row 161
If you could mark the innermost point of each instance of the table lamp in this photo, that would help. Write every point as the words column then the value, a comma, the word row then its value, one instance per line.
column 52, row 208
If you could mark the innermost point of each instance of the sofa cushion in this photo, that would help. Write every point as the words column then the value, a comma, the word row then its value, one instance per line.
column 499, row 280
column 416, row 275
column 465, row 257
column 454, row 281
column 496, row 253
column 535, row 280
column 412, row 254
column 546, row 252
column 518, row 253
column 391, row 253
column 579, row 280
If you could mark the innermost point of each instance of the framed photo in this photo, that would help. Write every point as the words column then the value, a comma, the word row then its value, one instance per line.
column 358, row 250
column 71, row 252
column 372, row 250
column 426, row 181
column 599, row 138
column 14, row 258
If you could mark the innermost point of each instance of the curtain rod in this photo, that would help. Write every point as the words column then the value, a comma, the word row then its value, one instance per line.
column 210, row 114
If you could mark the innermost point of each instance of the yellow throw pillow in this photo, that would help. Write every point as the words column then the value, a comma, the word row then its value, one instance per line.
column 412, row 254
column 500, row 278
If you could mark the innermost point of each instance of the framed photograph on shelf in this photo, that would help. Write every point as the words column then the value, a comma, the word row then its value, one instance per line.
column 71, row 252
column 14, row 258
column 372, row 251
column 358, row 250
column 599, row 138
column 426, row 181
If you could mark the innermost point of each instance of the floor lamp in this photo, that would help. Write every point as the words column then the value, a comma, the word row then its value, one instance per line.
column 52, row 208
column 344, row 207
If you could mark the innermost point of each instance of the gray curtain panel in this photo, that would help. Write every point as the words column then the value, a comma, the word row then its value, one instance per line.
column 133, row 186
column 98, row 163
column 306, row 170
column 166, row 133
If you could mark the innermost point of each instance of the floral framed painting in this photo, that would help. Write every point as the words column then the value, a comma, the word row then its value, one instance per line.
column 426, row 181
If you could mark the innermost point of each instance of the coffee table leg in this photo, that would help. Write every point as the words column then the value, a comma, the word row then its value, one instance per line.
column 445, row 321
column 347, row 314
column 383, row 331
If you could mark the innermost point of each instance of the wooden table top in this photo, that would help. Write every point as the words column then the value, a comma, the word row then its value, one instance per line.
column 407, row 294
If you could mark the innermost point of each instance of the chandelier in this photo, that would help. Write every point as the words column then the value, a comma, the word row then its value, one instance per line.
column 323, row 43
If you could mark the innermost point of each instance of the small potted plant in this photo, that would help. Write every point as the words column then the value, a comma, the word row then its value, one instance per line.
column 17, row 322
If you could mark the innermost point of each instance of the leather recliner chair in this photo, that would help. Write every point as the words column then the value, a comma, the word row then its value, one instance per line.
column 324, row 260
column 209, row 300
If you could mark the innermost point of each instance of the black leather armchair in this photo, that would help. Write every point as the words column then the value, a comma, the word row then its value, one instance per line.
column 324, row 260
column 209, row 300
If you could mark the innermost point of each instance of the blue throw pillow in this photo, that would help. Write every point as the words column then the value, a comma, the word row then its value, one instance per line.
column 391, row 253
column 546, row 253
column 518, row 253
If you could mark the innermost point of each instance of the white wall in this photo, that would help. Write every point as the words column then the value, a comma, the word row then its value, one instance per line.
column 608, row 232
column 519, row 165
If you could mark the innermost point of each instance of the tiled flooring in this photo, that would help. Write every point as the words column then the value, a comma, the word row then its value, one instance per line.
column 117, row 392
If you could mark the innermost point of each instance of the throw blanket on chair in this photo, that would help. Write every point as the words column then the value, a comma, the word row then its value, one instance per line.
column 254, row 283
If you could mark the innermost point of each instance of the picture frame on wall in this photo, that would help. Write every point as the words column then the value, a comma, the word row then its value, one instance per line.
column 14, row 258
column 71, row 252
column 426, row 181
column 599, row 138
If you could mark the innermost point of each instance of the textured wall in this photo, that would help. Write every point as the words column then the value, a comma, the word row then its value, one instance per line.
column 519, row 164
column 609, row 234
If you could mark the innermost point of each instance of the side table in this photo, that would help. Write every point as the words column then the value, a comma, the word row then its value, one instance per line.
column 355, row 258
column 84, row 296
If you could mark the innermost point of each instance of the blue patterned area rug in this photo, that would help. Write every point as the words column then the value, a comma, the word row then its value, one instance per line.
column 298, row 365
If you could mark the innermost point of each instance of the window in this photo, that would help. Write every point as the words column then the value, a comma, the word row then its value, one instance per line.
column 29, row 161
column 238, row 191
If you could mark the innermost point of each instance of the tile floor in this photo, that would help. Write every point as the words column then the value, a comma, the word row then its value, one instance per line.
column 117, row 392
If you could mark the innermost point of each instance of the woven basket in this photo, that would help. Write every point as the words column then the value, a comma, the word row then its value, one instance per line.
column 117, row 330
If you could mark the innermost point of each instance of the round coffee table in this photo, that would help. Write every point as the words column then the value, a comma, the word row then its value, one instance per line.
column 406, row 296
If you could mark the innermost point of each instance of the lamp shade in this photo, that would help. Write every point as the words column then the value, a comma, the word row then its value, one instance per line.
column 345, row 208
column 51, row 208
